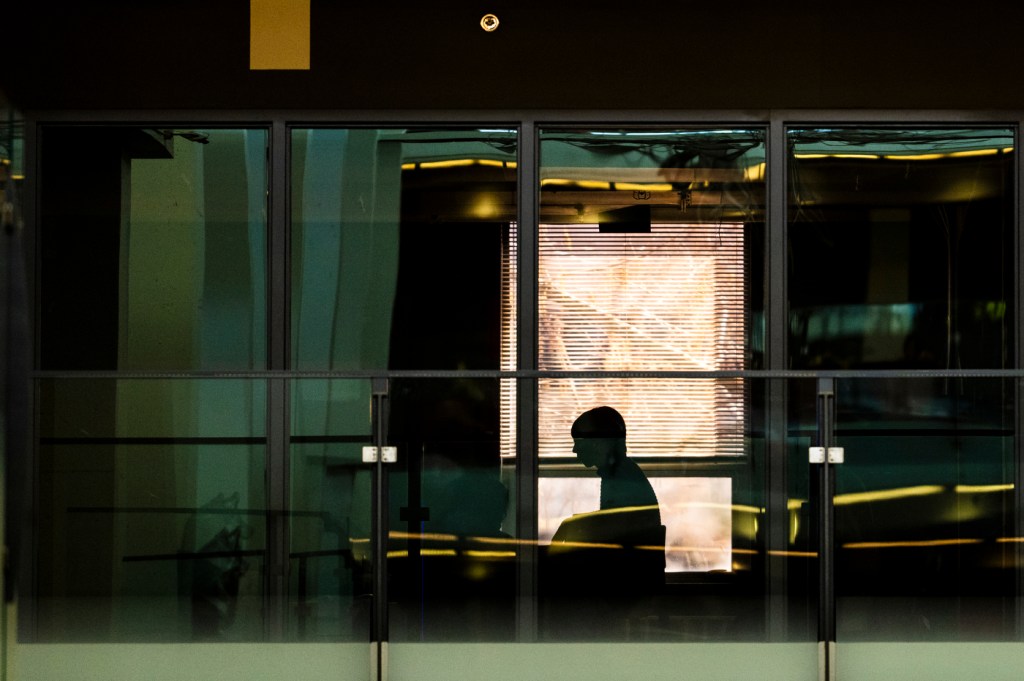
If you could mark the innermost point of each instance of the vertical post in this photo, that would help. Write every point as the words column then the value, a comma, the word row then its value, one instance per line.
column 526, row 389
column 278, row 402
column 379, row 531
column 1018, row 383
column 776, row 334
column 18, row 468
column 826, row 529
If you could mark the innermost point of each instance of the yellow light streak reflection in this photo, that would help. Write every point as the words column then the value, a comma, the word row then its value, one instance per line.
column 640, row 187
column 489, row 554
column 694, row 549
column 584, row 545
column 582, row 184
column 459, row 163
column 794, row 554
column 913, row 157
column 453, row 163
column 924, row 543
column 909, row 157
column 505, row 540
column 425, row 552
column 886, row 494
column 982, row 489
column 485, row 553
column 425, row 536
column 974, row 152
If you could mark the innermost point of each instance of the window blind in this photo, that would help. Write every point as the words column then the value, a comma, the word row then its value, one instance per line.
column 672, row 299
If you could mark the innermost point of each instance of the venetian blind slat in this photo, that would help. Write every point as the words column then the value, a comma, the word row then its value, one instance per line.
column 669, row 300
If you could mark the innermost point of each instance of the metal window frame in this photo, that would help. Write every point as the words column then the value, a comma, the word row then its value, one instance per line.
column 279, row 123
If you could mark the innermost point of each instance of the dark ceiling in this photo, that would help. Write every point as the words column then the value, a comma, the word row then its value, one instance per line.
column 570, row 54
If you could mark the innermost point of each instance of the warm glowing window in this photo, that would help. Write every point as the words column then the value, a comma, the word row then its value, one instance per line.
column 671, row 299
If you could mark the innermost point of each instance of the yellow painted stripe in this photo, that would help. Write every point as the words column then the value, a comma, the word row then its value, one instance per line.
column 279, row 35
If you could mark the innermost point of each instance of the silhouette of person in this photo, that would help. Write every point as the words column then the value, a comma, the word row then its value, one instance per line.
column 599, row 441
column 601, row 564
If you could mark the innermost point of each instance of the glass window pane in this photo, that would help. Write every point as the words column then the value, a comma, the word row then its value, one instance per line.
column 453, row 546
column 400, row 238
column 151, row 510
column 693, row 569
column 403, row 257
column 901, row 248
column 330, row 588
column 651, row 259
column 651, row 250
column 153, row 248
column 926, row 538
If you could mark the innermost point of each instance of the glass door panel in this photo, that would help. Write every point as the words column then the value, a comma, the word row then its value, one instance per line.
column 640, row 541
column 651, row 259
column 927, row 549
column 149, row 493
column 729, row 593
column 403, row 248
column 900, row 249
column 330, row 524
column 331, row 513
column 453, row 550
column 151, row 513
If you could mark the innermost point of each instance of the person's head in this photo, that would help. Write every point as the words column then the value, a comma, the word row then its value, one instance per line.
column 599, row 437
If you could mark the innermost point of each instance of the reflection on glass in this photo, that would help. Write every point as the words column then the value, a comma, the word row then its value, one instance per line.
column 709, row 547
column 330, row 512
column 649, row 260
column 901, row 248
column 152, row 512
column 650, row 252
column 403, row 250
column 697, row 510
column 925, row 535
column 452, row 547
column 399, row 238
column 151, row 503
column 174, row 225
